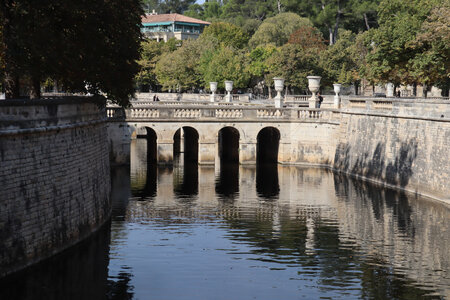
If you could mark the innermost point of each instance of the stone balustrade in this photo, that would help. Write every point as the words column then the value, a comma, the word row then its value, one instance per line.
column 211, row 112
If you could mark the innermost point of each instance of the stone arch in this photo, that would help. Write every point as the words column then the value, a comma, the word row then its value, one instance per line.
column 228, row 142
column 152, row 145
column 268, row 144
column 186, row 140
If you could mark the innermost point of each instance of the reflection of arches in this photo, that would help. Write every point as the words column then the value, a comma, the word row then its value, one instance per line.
column 227, row 184
column 185, row 140
column 228, row 144
column 267, row 185
column 268, row 142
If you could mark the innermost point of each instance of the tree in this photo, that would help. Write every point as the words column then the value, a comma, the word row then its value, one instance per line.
column 249, row 9
column 277, row 30
column 431, row 65
column 167, row 6
column 226, row 63
column 227, row 34
column 258, row 65
column 150, row 54
column 294, row 64
column 392, row 54
column 339, row 60
column 89, row 45
column 308, row 37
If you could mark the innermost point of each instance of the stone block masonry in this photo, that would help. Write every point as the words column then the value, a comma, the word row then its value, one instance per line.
column 54, row 177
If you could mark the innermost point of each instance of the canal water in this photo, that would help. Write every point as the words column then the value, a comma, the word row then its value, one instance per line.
column 256, row 232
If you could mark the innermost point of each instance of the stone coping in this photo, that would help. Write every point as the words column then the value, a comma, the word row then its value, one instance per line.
column 51, row 100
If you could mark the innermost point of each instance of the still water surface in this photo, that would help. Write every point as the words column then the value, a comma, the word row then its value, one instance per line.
column 265, row 232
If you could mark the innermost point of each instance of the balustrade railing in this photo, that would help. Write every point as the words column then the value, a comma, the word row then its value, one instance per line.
column 249, row 113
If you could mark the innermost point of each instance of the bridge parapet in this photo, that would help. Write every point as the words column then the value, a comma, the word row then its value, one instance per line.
column 210, row 113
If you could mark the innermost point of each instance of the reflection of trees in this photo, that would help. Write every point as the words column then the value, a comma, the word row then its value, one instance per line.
column 120, row 289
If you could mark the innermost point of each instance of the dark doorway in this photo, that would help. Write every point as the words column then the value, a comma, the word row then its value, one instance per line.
column 229, row 145
column 268, row 144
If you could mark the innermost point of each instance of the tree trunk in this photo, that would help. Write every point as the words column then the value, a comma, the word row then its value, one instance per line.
column 415, row 89
column 279, row 6
column 270, row 91
column 35, row 89
column 366, row 20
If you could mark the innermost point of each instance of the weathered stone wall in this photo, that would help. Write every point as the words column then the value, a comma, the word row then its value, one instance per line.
column 54, row 177
column 405, row 145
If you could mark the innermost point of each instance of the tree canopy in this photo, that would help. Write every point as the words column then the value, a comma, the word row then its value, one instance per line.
column 277, row 30
column 90, row 46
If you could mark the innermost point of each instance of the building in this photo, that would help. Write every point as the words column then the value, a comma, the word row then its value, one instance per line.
column 166, row 26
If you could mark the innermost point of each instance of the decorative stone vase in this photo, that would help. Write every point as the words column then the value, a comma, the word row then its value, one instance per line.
column 279, row 87
column 314, row 86
column 228, row 88
column 389, row 89
column 337, row 98
column 213, row 88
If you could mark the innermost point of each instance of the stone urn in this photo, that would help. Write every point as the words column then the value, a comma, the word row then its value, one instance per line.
column 213, row 88
column 228, row 88
column 337, row 98
column 279, row 87
column 389, row 89
column 314, row 86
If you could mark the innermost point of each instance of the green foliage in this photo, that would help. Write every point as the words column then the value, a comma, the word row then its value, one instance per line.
column 167, row 6
column 210, row 11
column 226, row 63
column 84, row 45
column 258, row 57
column 151, row 52
column 393, row 52
column 294, row 64
column 249, row 9
column 179, row 70
column 338, row 60
column 227, row 34
column 278, row 29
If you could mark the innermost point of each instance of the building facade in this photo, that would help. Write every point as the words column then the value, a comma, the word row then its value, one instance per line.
column 162, row 27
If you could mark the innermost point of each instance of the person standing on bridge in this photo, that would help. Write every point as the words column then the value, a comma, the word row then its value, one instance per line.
column 320, row 99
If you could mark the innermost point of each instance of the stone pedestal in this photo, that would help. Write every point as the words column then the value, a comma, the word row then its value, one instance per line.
column 165, row 153
column 247, row 153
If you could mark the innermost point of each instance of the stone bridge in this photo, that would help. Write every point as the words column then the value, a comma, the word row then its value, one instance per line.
column 208, row 132
column 398, row 142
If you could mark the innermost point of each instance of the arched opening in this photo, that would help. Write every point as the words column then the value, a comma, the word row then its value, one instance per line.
column 151, row 146
column 268, row 142
column 229, row 145
column 185, row 173
column 185, row 141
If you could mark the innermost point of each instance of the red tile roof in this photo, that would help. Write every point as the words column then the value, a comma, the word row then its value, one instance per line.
column 171, row 18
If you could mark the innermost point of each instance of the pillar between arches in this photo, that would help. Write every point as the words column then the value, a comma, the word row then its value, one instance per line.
column 284, row 153
column 247, row 152
column 165, row 152
column 207, row 150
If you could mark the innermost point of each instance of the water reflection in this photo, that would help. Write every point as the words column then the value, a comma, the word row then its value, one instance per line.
column 227, row 183
column 267, row 180
column 201, row 233
column 185, row 179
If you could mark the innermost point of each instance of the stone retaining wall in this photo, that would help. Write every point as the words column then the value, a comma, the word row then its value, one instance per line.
column 54, row 177
column 406, row 145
